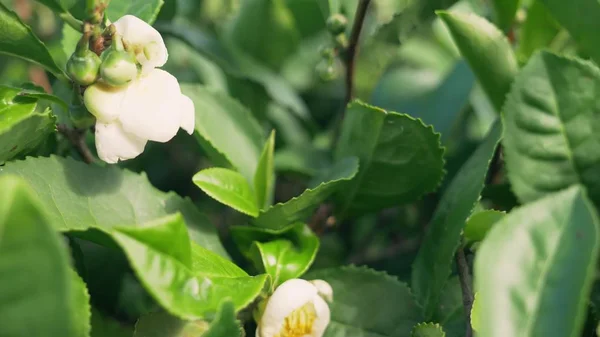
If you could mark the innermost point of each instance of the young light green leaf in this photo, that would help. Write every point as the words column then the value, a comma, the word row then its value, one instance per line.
column 540, row 254
column 22, row 129
column 475, row 320
column 284, row 254
column 400, row 158
column 580, row 18
column 82, row 314
column 552, row 140
column 38, row 296
column 225, row 323
column 368, row 303
column 229, row 188
column 432, row 264
column 260, row 21
column 190, row 293
column 538, row 31
column 78, row 197
column 146, row 10
column 427, row 330
column 228, row 127
column 264, row 178
column 487, row 51
column 504, row 12
column 480, row 223
column 18, row 40
column 300, row 208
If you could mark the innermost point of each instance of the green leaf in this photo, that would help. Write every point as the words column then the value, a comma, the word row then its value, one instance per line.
column 475, row 320
column 451, row 311
column 505, row 11
column 432, row 264
column 264, row 178
column 552, row 127
column 539, row 255
column 17, row 39
column 487, row 51
column 225, row 323
column 580, row 18
column 300, row 208
column 103, row 326
column 228, row 127
column 538, row 31
column 161, row 324
column 38, row 93
column 367, row 303
column 59, row 6
column 22, row 128
column 428, row 330
column 37, row 294
column 78, row 197
column 265, row 21
column 81, row 306
column 229, row 188
column 480, row 223
column 401, row 159
column 284, row 254
column 146, row 10
column 187, row 292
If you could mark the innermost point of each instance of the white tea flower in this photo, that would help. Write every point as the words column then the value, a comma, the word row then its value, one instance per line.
column 151, row 107
column 145, row 41
column 296, row 309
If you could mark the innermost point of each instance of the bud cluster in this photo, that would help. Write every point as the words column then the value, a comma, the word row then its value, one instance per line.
column 336, row 26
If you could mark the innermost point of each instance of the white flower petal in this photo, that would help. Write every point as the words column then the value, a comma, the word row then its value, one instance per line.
column 148, row 44
column 323, row 317
column 151, row 108
column 114, row 144
column 188, row 114
column 324, row 290
column 289, row 296
column 104, row 101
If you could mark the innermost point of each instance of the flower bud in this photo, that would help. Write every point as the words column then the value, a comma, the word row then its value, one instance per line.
column 83, row 66
column 118, row 67
column 327, row 52
column 341, row 41
column 337, row 24
column 326, row 70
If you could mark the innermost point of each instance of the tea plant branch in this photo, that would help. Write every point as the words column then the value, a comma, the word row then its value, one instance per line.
column 352, row 52
column 465, row 285
column 77, row 138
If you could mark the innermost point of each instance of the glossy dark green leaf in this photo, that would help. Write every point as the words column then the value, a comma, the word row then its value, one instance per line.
column 539, row 255
column 260, row 21
column 78, row 197
column 189, row 292
column 368, row 303
column 38, row 295
column 487, row 51
column 264, row 178
column 480, row 223
column 300, row 208
column 146, row 10
column 431, row 268
column 400, row 158
column 284, row 254
column 552, row 126
column 228, row 127
column 22, row 128
column 17, row 39
column 537, row 32
column 229, row 188
column 580, row 18
column 505, row 12
column 427, row 330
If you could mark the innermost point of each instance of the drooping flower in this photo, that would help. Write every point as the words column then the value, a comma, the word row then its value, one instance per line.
column 297, row 308
column 149, row 107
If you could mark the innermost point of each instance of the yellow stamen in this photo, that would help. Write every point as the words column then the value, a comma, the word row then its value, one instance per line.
column 300, row 322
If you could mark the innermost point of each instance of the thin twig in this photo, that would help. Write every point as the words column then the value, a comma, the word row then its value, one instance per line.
column 465, row 284
column 359, row 19
column 77, row 138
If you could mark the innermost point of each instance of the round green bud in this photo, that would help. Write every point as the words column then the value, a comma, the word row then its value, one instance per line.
column 83, row 66
column 337, row 24
column 341, row 41
column 118, row 67
column 327, row 52
column 326, row 70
